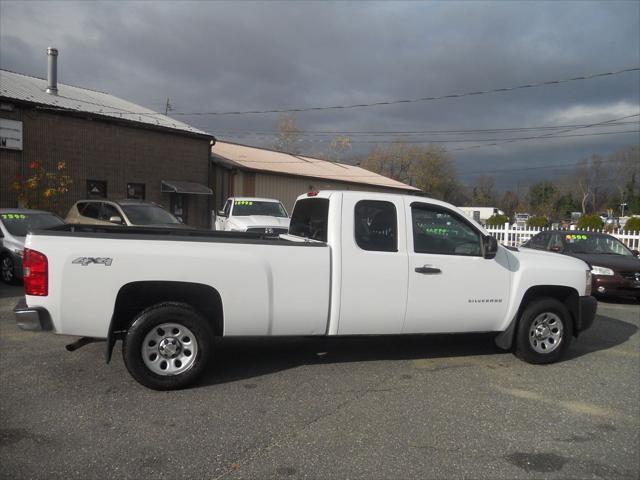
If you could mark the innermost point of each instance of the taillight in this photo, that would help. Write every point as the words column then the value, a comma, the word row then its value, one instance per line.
column 312, row 194
column 36, row 273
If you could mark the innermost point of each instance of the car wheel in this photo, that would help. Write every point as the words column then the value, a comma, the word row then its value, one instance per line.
column 167, row 346
column 8, row 270
column 545, row 331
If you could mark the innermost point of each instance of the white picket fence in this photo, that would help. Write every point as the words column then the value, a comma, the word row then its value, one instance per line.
column 508, row 234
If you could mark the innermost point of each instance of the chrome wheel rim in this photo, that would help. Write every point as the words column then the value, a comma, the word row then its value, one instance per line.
column 545, row 334
column 169, row 349
column 7, row 269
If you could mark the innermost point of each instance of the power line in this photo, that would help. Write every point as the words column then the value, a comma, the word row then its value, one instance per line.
column 554, row 134
column 420, row 99
column 475, row 140
column 559, row 165
column 387, row 133
column 364, row 105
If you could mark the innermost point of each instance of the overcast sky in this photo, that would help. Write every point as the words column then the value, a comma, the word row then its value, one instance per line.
column 216, row 56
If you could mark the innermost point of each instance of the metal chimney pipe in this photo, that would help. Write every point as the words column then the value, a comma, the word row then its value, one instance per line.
column 52, row 70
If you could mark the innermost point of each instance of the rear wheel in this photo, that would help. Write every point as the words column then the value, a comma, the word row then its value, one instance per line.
column 8, row 270
column 545, row 331
column 168, row 346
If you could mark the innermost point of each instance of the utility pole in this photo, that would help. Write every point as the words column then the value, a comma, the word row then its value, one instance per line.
column 167, row 107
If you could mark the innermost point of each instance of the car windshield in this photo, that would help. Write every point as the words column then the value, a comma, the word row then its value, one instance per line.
column 589, row 244
column 19, row 224
column 244, row 208
column 148, row 215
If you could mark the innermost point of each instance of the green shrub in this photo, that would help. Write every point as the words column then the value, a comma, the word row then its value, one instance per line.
column 537, row 221
column 497, row 220
column 632, row 225
column 594, row 222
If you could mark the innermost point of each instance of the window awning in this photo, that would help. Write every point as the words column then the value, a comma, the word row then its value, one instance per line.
column 189, row 188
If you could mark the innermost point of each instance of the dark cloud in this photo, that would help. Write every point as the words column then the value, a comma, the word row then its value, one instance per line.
column 214, row 56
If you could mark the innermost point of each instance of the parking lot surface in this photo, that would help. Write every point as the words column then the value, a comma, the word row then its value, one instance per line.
column 365, row 407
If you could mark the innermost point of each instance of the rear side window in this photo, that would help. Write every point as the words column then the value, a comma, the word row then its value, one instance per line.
column 310, row 218
column 376, row 226
column 89, row 209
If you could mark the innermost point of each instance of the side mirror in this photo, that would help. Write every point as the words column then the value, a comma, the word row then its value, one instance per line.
column 489, row 246
column 221, row 213
column 635, row 253
column 115, row 219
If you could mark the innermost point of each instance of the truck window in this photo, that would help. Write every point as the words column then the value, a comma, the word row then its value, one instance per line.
column 376, row 226
column 439, row 231
column 309, row 218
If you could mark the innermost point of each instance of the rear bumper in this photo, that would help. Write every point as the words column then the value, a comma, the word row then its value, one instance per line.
column 32, row 319
column 587, row 307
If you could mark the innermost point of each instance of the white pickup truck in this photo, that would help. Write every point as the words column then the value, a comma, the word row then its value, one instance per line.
column 256, row 215
column 352, row 263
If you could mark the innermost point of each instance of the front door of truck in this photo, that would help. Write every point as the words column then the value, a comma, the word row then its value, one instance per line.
column 374, row 265
column 452, row 287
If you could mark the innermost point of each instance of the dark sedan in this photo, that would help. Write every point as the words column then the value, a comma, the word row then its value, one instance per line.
column 615, row 268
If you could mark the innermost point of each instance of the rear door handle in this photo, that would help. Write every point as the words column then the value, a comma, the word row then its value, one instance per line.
column 427, row 270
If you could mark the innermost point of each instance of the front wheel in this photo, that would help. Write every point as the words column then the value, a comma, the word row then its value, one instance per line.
column 544, row 332
column 168, row 346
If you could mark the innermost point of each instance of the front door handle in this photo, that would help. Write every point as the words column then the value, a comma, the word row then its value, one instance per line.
column 427, row 270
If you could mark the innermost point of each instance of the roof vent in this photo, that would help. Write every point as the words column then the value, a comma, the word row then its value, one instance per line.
column 52, row 70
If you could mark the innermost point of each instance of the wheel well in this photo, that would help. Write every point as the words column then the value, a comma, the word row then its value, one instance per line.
column 134, row 297
column 567, row 295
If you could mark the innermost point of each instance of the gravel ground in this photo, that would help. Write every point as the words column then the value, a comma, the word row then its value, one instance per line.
column 394, row 407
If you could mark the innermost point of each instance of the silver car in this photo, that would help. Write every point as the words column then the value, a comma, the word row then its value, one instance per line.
column 15, row 223
column 129, row 212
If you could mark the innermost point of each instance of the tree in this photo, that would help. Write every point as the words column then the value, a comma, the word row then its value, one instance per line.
column 542, row 197
column 483, row 191
column 289, row 137
column 43, row 187
column 509, row 203
column 430, row 168
column 339, row 145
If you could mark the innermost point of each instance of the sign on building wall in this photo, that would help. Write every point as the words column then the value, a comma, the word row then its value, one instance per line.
column 10, row 134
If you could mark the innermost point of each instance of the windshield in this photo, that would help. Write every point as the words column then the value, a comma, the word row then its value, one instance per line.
column 244, row 208
column 148, row 215
column 585, row 243
column 19, row 224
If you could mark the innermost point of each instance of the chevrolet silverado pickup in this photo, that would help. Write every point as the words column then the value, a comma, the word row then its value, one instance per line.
column 352, row 263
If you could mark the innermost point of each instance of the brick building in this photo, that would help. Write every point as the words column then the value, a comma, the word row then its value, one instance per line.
column 111, row 148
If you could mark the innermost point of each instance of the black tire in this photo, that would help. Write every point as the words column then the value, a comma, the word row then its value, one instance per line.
column 8, row 270
column 544, row 348
column 147, row 323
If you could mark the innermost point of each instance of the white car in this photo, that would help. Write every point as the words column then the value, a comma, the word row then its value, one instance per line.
column 353, row 263
column 257, row 215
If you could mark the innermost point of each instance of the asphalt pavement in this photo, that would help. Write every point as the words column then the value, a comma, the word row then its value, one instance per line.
column 366, row 407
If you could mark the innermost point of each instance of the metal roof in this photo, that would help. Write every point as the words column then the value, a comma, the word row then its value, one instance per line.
column 75, row 99
column 270, row 161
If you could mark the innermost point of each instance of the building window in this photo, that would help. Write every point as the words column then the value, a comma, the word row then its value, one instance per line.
column 136, row 190
column 96, row 189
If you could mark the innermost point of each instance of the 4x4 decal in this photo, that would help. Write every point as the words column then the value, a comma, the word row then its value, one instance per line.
column 84, row 261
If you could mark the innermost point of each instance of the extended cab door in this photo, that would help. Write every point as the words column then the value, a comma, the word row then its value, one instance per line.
column 452, row 288
column 374, row 265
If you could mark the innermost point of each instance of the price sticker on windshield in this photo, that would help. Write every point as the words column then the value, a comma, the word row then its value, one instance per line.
column 574, row 237
column 13, row 216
